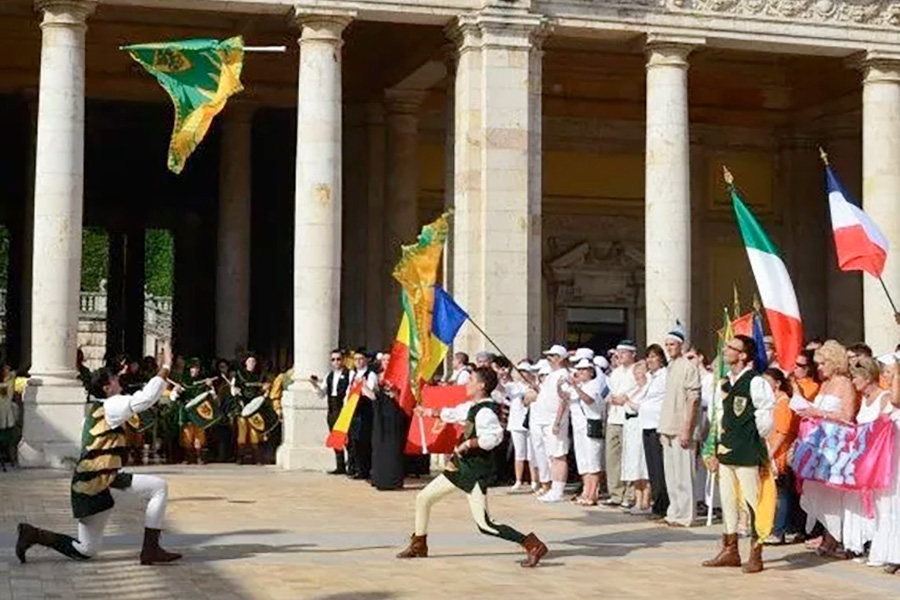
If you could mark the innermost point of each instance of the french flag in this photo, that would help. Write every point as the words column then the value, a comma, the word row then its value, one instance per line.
column 859, row 243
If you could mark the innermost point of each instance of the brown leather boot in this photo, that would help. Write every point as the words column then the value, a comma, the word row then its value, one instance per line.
column 152, row 553
column 418, row 547
column 32, row 536
column 535, row 549
column 755, row 564
column 729, row 555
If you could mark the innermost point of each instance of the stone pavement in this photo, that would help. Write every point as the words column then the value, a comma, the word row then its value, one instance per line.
column 258, row 532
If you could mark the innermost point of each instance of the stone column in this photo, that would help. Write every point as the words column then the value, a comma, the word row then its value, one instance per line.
column 401, row 197
column 54, row 398
column 881, row 190
column 497, row 187
column 233, row 265
column 317, row 237
column 354, row 231
column 667, row 220
column 375, row 302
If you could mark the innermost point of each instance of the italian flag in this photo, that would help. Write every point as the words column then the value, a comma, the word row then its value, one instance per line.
column 773, row 281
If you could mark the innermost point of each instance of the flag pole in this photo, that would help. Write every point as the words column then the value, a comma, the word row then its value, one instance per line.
column 503, row 354
column 891, row 300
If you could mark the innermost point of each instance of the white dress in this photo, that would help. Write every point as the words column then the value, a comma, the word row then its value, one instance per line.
column 822, row 503
column 886, row 541
column 634, row 461
column 857, row 527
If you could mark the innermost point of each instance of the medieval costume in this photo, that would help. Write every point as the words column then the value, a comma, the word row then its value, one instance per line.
column 472, row 471
column 8, row 416
column 98, row 478
column 247, row 387
column 745, row 416
column 196, row 412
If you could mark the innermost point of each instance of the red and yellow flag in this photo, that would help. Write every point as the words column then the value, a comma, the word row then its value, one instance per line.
column 337, row 439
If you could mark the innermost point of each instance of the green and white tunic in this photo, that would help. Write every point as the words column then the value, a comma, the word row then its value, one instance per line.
column 482, row 422
column 103, row 445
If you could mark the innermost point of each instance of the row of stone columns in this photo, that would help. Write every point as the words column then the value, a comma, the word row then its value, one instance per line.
column 496, row 196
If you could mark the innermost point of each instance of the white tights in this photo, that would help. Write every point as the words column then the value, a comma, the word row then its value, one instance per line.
column 149, row 487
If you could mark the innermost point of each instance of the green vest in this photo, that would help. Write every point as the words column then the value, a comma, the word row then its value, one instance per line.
column 475, row 466
column 739, row 442
column 97, row 470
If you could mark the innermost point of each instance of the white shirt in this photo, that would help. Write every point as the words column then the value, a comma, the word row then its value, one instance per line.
column 597, row 389
column 121, row 407
column 488, row 430
column 335, row 380
column 621, row 383
column 651, row 399
column 707, row 385
column 460, row 376
column 515, row 392
column 763, row 399
column 544, row 409
column 370, row 382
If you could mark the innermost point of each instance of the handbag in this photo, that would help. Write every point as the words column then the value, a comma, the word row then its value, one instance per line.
column 595, row 429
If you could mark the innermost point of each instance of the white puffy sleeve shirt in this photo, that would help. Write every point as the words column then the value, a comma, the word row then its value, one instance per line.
column 488, row 429
column 122, row 407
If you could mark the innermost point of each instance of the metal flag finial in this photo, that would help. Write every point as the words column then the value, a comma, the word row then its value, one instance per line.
column 729, row 178
column 823, row 156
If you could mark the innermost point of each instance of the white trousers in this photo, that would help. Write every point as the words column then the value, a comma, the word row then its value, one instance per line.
column 739, row 490
column 541, row 461
column 678, row 464
column 524, row 449
column 441, row 487
column 149, row 487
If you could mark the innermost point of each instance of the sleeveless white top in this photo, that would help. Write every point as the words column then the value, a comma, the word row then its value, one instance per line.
column 828, row 403
column 868, row 413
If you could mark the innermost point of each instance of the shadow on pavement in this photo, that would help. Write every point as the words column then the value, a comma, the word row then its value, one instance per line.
column 356, row 596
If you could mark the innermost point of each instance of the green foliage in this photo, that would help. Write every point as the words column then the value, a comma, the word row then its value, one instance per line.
column 159, row 262
column 94, row 258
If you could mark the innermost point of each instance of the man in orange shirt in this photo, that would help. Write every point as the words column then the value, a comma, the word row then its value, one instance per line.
column 786, row 425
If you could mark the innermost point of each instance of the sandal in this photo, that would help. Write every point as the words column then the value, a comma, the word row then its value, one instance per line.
column 891, row 569
column 585, row 502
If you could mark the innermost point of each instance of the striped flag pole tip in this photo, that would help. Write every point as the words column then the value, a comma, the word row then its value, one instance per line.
column 729, row 178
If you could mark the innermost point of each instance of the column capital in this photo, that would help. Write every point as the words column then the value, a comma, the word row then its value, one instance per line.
column 323, row 25
column 670, row 50
column 65, row 12
column 399, row 101
column 498, row 29
column 878, row 67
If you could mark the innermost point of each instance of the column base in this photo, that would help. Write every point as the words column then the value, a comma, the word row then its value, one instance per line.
column 52, row 420
column 305, row 430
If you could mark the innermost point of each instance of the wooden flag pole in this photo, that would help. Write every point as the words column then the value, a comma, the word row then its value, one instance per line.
column 494, row 344
column 265, row 48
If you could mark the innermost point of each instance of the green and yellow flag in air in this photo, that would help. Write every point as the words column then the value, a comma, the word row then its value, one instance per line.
column 199, row 75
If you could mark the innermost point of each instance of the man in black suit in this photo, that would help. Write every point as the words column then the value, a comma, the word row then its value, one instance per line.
column 334, row 388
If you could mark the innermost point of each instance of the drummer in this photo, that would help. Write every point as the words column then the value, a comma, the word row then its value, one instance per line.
column 248, row 386
column 191, row 423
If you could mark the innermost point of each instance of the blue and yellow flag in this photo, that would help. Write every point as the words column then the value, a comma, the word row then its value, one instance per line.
column 446, row 320
column 199, row 75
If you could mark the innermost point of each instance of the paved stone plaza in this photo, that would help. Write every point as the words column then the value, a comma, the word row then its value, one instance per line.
column 257, row 532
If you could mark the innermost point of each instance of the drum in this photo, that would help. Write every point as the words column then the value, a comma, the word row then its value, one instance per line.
column 260, row 414
column 203, row 411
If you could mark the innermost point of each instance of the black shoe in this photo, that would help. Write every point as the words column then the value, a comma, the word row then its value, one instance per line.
column 337, row 472
column 359, row 476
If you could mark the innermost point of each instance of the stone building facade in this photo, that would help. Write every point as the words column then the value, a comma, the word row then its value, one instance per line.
column 579, row 143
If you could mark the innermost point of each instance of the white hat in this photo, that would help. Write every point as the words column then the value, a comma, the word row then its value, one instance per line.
column 557, row 350
column 626, row 346
column 601, row 363
column 524, row 366
column 541, row 364
column 581, row 354
column 584, row 364
column 677, row 333
column 544, row 369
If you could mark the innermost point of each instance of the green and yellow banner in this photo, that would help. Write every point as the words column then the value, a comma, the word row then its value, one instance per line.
column 199, row 75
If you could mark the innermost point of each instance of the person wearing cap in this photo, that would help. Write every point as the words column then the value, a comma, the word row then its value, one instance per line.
column 678, row 430
column 602, row 364
column 621, row 385
column 549, row 420
column 586, row 392
column 517, row 425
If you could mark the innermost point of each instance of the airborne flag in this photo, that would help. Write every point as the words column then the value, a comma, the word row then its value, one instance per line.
column 199, row 75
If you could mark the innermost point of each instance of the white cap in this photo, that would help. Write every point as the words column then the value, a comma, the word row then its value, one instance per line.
column 677, row 333
column 889, row 359
column 581, row 354
column 540, row 365
column 584, row 364
column 557, row 350
column 544, row 369
column 601, row 363
column 524, row 366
